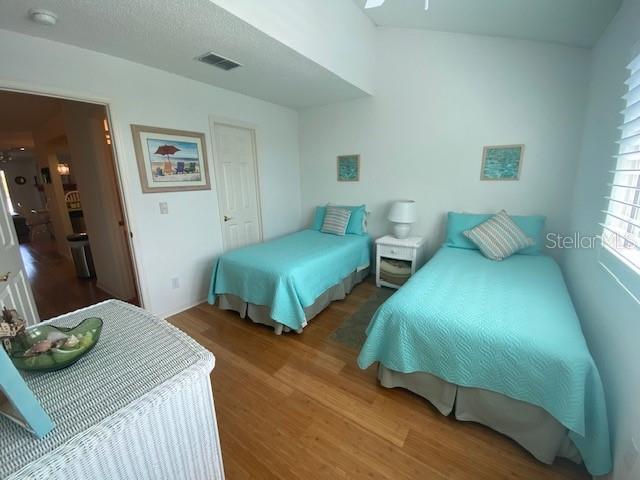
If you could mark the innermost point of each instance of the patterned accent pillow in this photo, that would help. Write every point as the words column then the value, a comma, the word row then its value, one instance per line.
column 499, row 237
column 336, row 220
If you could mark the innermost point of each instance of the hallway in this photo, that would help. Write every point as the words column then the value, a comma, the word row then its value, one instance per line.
column 56, row 289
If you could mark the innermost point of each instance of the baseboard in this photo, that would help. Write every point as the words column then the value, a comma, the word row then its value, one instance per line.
column 113, row 294
column 181, row 309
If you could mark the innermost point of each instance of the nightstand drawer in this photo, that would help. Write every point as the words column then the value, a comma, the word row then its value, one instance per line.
column 402, row 253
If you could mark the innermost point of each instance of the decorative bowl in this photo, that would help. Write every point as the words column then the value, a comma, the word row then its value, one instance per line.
column 45, row 348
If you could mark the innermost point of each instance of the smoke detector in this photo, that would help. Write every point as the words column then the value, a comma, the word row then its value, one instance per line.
column 43, row 17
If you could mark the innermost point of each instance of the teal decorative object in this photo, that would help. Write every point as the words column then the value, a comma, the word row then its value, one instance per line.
column 18, row 403
column 349, row 168
column 502, row 162
column 46, row 348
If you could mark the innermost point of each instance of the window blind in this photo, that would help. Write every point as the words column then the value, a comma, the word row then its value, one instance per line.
column 621, row 227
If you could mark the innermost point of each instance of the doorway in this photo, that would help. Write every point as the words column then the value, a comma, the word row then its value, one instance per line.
column 61, row 191
column 235, row 160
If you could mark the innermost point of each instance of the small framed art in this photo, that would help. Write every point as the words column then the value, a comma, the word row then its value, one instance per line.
column 170, row 160
column 501, row 162
column 18, row 403
column 348, row 168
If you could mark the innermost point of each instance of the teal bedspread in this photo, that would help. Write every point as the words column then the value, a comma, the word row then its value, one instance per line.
column 508, row 327
column 289, row 273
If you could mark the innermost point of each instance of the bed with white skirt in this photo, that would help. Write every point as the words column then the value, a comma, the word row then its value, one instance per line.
column 498, row 343
column 286, row 282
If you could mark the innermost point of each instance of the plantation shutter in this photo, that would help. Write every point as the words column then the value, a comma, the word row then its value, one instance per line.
column 621, row 227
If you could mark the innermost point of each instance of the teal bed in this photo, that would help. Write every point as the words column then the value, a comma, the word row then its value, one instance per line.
column 466, row 324
column 285, row 282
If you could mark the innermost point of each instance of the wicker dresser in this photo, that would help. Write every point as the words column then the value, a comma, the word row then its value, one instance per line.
column 138, row 406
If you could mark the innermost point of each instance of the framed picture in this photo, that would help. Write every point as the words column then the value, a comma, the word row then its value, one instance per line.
column 502, row 162
column 348, row 168
column 46, row 175
column 18, row 403
column 170, row 160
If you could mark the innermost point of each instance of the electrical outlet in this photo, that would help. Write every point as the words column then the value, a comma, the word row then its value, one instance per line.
column 175, row 283
column 164, row 208
column 630, row 457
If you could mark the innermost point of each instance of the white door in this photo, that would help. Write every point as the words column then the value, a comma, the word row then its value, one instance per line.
column 237, row 184
column 15, row 291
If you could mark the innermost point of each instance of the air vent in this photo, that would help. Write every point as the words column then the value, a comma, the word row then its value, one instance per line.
column 218, row 61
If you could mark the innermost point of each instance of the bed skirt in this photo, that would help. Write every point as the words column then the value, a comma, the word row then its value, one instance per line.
column 261, row 313
column 530, row 426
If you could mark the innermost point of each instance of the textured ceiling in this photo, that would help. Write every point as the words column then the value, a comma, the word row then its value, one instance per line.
column 570, row 22
column 169, row 34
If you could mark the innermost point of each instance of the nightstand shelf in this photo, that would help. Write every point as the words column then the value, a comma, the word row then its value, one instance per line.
column 397, row 260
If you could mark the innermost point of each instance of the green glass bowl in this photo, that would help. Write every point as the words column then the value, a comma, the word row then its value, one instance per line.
column 68, row 345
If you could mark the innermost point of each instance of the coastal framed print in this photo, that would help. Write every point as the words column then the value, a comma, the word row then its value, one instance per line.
column 502, row 162
column 348, row 168
column 170, row 160
column 18, row 403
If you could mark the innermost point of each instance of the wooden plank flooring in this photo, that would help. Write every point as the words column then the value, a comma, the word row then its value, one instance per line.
column 297, row 406
column 55, row 286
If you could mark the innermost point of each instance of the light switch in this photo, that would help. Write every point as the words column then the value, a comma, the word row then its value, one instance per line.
column 164, row 208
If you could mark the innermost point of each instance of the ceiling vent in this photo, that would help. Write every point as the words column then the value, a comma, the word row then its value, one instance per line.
column 218, row 61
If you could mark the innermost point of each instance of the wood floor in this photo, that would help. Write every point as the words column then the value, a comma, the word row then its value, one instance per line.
column 297, row 406
column 52, row 277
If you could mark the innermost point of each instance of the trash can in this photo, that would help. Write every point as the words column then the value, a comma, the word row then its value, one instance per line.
column 81, row 254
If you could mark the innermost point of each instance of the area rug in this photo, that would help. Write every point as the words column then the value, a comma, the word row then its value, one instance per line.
column 352, row 331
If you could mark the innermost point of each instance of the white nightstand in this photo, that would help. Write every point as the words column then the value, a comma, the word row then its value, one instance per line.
column 409, row 250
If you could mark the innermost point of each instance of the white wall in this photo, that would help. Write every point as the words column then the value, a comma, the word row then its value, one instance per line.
column 610, row 318
column 46, row 139
column 27, row 195
column 333, row 33
column 97, row 185
column 185, row 242
column 440, row 97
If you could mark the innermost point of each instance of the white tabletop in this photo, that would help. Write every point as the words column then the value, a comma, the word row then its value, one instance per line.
column 127, row 370
column 412, row 242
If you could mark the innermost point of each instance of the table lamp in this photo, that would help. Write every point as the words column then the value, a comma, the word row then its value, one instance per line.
column 402, row 214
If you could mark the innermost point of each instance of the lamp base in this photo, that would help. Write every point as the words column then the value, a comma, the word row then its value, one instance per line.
column 401, row 230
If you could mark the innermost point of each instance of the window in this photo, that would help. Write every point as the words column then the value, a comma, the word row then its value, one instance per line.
column 621, row 228
column 5, row 192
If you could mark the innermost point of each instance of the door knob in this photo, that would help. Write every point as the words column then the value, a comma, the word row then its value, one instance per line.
column 226, row 219
column 4, row 276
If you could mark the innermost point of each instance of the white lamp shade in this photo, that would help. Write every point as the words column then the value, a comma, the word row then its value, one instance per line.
column 403, row 211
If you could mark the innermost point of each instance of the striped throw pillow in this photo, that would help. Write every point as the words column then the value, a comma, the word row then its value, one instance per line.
column 336, row 220
column 499, row 237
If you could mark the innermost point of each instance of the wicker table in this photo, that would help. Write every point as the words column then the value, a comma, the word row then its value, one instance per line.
column 138, row 406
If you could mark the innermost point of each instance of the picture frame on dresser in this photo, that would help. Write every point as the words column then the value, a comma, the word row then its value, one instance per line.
column 17, row 401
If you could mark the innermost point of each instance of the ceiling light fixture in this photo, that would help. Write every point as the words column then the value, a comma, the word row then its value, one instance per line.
column 377, row 3
column 43, row 17
column 63, row 169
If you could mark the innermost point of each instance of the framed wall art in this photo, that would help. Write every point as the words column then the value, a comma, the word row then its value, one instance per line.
column 348, row 168
column 501, row 162
column 170, row 160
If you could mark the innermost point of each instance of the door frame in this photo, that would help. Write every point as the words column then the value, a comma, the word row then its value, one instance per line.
column 116, row 146
column 253, row 128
